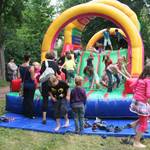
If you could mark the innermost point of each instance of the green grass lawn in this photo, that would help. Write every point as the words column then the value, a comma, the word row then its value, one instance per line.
column 13, row 139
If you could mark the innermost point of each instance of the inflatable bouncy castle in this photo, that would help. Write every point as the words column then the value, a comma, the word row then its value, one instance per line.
column 73, row 21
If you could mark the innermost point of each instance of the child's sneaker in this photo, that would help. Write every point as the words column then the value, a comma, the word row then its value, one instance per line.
column 139, row 145
column 57, row 128
column 97, row 120
column 66, row 124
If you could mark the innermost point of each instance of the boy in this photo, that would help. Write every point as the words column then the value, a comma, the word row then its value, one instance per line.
column 107, row 39
column 78, row 100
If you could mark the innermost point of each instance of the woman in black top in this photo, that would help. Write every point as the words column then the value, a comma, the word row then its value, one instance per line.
column 45, row 88
column 27, row 76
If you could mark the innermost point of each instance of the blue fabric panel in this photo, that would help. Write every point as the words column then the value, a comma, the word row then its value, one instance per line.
column 21, row 122
column 96, row 106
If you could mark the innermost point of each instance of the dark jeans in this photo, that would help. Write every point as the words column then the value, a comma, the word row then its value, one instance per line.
column 45, row 95
column 110, row 82
column 70, row 74
column 28, row 96
column 79, row 117
column 60, row 108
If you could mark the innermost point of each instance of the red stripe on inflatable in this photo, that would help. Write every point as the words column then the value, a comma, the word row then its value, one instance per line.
column 118, row 53
column 106, row 95
column 97, row 68
column 80, row 63
column 124, row 94
column 89, row 93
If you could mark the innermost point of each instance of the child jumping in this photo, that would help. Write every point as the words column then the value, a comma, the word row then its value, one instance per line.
column 78, row 101
column 140, row 105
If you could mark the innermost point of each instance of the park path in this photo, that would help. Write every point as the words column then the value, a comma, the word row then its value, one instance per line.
column 3, row 92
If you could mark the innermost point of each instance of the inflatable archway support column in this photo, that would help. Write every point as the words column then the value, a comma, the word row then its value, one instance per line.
column 99, row 35
column 134, row 39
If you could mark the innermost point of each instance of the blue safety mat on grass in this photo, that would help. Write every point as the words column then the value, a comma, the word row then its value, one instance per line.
column 21, row 122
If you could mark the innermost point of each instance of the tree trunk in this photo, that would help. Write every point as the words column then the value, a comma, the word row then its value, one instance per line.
column 2, row 63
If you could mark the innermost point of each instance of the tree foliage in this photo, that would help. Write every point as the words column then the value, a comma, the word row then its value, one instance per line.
column 23, row 24
column 27, row 37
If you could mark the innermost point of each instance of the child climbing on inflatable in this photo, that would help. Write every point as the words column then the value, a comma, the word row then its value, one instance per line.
column 89, row 70
column 70, row 66
column 114, row 70
column 140, row 105
column 78, row 100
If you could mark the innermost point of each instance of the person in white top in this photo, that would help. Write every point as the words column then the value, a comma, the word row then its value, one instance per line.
column 12, row 71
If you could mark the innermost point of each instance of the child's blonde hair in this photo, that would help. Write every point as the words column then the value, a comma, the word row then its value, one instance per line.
column 78, row 80
column 36, row 64
column 53, row 79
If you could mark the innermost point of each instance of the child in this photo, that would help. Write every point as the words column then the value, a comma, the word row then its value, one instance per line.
column 59, row 93
column 78, row 101
column 70, row 67
column 107, row 40
column 37, row 69
column 140, row 105
column 124, row 66
column 99, row 47
column 107, row 60
column 89, row 70
column 115, row 70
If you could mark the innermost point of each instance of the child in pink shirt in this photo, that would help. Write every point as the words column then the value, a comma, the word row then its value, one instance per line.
column 140, row 105
column 37, row 68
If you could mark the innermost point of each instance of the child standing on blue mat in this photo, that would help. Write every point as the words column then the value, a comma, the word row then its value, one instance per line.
column 78, row 100
column 140, row 105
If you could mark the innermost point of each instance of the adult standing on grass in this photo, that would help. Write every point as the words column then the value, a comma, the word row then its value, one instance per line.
column 60, row 95
column 27, row 75
column 12, row 70
column 52, row 64
column 107, row 40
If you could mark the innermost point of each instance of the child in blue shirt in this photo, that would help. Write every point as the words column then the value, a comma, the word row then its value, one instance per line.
column 107, row 40
column 78, row 100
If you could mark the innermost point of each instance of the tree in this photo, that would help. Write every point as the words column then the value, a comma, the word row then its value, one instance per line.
column 36, row 18
column 10, row 18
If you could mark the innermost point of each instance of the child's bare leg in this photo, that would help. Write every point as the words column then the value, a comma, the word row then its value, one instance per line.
column 57, row 124
column 67, row 121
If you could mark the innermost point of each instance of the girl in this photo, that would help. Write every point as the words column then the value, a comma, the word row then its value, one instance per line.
column 140, row 105
column 89, row 70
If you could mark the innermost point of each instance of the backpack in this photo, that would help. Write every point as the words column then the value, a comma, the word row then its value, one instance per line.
column 47, row 73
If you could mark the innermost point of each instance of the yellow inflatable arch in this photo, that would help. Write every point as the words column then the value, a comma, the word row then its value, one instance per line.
column 122, row 7
column 135, row 50
column 69, row 29
column 97, row 36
